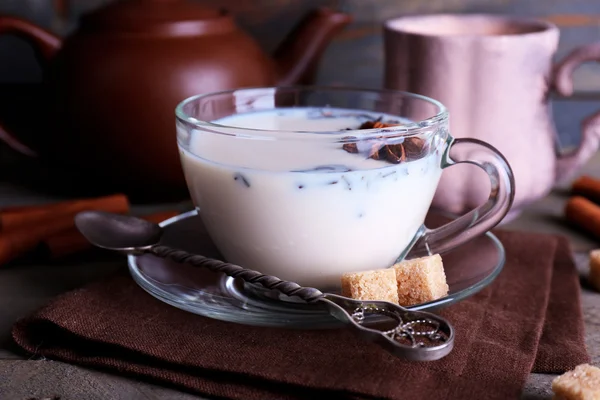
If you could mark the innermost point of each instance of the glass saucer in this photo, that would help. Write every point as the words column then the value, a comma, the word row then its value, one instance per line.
column 469, row 268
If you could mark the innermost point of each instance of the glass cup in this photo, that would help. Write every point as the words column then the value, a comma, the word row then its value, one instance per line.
column 307, row 183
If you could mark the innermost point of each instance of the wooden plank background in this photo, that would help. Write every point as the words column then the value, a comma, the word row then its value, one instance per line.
column 355, row 57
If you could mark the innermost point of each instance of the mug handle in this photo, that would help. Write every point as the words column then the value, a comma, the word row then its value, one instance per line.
column 482, row 218
column 562, row 81
column 45, row 45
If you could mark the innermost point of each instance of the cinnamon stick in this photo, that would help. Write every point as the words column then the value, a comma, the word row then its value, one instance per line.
column 20, row 217
column 584, row 213
column 18, row 241
column 72, row 241
column 587, row 186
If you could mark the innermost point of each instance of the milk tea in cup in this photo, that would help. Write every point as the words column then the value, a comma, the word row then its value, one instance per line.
column 300, row 192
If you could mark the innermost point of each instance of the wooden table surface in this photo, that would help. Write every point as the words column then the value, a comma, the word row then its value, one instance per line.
column 28, row 285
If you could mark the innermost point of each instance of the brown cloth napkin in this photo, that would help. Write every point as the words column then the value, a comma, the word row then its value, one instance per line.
column 529, row 319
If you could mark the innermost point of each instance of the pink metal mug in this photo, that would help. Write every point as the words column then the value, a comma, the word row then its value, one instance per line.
column 495, row 75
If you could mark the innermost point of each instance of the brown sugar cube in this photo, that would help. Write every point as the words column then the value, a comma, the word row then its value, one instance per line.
column 420, row 280
column 583, row 383
column 371, row 285
column 594, row 274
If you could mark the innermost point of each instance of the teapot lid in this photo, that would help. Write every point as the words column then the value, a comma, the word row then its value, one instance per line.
column 136, row 15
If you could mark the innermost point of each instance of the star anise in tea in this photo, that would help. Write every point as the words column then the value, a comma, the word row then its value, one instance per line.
column 411, row 147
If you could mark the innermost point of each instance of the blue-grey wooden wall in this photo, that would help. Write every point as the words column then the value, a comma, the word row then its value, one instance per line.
column 356, row 55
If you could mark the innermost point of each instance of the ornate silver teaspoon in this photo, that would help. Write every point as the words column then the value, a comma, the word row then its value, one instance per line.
column 412, row 335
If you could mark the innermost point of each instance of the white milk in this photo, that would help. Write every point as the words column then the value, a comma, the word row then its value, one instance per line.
column 307, row 227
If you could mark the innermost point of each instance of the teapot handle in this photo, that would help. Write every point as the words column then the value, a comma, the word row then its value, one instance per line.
column 45, row 44
column 567, row 163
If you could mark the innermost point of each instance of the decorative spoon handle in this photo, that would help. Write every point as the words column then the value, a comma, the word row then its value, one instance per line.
column 270, row 282
column 414, row 335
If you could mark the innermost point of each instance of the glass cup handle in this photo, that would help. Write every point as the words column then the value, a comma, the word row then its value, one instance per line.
column 482, row 218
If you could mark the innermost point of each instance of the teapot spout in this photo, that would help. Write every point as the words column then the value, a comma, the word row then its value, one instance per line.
column 298, row 55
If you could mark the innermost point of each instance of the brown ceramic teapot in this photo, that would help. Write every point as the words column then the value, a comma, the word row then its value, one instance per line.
column 111, row 88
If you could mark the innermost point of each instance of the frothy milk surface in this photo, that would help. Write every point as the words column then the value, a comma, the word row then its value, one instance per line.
column 305, row 211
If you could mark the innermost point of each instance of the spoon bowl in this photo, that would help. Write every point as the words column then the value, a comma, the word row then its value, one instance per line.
column 118, row 232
